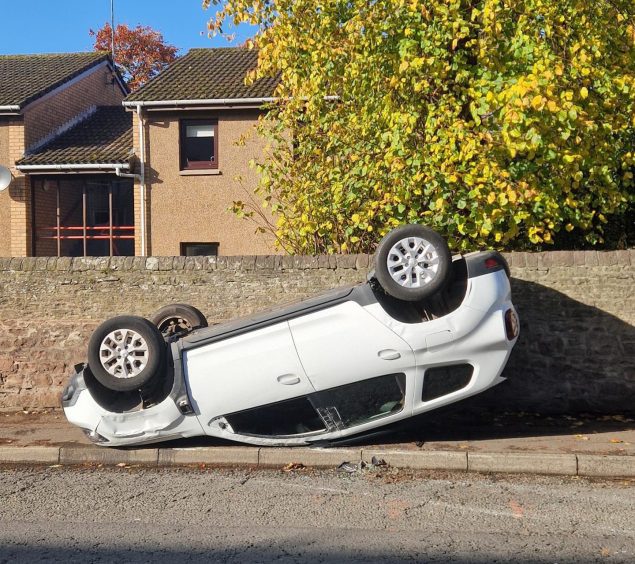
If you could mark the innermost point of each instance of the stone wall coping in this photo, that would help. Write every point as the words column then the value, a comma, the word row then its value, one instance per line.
column 543, row 259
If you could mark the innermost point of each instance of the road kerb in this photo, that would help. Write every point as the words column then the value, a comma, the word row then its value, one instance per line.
column 29, row 455
column 606, row 466
column 318, row 457
column 525, row 463
column 204, row 455
column 108, row 456
column 421, row 460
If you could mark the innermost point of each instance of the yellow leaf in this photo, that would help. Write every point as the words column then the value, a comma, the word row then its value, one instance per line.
column 584, row 93
column 491, row 198
column 538, row 102
column 355, row 218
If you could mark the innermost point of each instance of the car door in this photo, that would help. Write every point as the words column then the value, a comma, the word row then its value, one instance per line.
column 256, row 368
column 341, row 346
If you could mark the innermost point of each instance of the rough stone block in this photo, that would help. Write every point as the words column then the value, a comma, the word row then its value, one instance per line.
column 64, row 264
column 165, row 263
column 265, row 262
column 532, row 260
column 561, row 258
column 179, row 263
column 288, row 262
column 346, row 261
column 559, row 464
column 579, row 258
column 16, row 263
column 624, row 258
column 591, row 258
column 362, row 262
column 607, row 258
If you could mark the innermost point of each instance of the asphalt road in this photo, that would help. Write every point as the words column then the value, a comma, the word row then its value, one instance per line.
column 62, row 514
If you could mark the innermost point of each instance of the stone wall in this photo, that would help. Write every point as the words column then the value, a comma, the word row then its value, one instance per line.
column 577, row 309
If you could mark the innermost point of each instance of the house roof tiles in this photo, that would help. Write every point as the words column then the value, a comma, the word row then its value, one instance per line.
column 23, row 78
column 105, row 137
column 207, row 74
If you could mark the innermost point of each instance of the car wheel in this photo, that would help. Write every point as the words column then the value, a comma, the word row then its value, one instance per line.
column 125, row 353
column 178, row 319
column 412, row 263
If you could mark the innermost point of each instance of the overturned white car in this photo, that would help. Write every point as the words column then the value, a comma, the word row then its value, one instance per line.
column 425, row 330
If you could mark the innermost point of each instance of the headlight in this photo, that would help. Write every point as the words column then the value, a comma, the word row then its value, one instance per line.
column 94, row 437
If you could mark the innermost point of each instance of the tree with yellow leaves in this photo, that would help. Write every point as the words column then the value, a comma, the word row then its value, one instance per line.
column 496, row 122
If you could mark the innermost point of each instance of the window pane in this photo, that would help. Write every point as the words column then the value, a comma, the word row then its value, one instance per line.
column 201, row 130
column 443, row 380
column 361, row 402
column 199, row 249
column 290, row 417
column 199, row 149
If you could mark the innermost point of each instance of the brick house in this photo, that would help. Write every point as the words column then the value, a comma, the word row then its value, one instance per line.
column 186, row 124
column 156, row 174
column 42, row 99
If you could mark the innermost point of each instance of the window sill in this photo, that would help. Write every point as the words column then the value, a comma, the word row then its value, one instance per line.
column 200, row 172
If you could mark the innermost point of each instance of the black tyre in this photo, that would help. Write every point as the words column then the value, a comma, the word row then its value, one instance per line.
column 178, row 319
column 413, row 263
column 125, row 353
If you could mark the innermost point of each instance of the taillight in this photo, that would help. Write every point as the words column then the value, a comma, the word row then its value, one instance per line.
column 496, row 261
column 512, row 326
column 491, row 263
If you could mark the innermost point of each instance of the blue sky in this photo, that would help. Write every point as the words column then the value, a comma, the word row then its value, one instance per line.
column 58, row 26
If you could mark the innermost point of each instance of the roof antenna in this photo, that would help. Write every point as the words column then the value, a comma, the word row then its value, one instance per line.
column 112, row 29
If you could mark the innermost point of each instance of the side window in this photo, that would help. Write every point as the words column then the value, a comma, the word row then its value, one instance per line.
column 442, row 380
column 291, row 417
column 328, row 410
column 361, row 402
column 199, row 144
column 199, row 249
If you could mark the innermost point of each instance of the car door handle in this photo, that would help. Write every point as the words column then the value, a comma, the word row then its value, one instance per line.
column 288, row 379
column 389, row 354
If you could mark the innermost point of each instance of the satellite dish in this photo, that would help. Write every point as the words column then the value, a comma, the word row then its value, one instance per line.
column 5, row 178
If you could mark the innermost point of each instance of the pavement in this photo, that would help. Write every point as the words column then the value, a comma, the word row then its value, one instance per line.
column 466, row 439
column 89, row 514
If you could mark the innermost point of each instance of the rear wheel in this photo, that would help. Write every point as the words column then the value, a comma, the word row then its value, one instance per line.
column 178, row 319
column 413, row 263
column 125, row 353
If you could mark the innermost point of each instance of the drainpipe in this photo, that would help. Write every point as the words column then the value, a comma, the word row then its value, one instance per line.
column 142, row 182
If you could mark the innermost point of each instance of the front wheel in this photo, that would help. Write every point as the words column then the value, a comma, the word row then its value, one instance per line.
column 412, row 263
column 125, row 353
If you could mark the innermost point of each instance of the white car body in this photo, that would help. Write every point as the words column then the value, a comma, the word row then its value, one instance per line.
column 324, row 358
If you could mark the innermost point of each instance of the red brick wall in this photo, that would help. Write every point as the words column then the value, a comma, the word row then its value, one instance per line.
column 5, row 203
column 46, row 115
